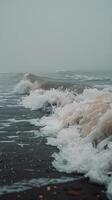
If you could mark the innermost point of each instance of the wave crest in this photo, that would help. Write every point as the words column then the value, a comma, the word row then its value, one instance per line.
column 28, row 83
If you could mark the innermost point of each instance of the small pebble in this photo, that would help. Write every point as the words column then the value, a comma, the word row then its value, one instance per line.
column 41, row 196
column 48, row 188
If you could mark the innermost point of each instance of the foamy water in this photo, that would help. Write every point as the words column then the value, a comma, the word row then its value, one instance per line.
column 72, row 111
column 80, row 126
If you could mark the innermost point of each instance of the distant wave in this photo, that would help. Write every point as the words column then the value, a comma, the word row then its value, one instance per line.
column 88, row 78
column 28, row 83
column 31, row 82
column 84, row 76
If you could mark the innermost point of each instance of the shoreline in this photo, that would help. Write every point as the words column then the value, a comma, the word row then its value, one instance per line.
column 37, row 157
column 79, row 190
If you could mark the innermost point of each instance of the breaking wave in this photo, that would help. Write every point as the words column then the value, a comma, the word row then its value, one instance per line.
column 28, row 83
column 80, row 125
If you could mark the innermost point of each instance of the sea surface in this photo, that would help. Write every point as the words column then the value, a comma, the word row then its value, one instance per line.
column 54, row 125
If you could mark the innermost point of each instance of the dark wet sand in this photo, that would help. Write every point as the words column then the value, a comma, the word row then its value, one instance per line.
column 78, row 190
column 16, row 160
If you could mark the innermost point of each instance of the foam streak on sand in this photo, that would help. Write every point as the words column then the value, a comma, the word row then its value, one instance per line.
column 26, row 185
column 80, row 125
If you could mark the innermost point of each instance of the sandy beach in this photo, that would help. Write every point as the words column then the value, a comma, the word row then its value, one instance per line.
column 15, row 162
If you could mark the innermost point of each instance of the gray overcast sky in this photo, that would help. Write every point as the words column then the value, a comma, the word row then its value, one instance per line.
column 39, row 35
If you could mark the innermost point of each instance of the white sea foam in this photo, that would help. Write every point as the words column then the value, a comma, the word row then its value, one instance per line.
column 12, row 136
column 81, row 127
column 38, row 98
column 22, row 145
column 7, row 141
column 23, row 87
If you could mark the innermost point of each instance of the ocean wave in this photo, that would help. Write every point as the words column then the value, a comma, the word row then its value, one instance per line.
column 80, row 125
column 84, row 76
column 88, row 78
column 28, row 83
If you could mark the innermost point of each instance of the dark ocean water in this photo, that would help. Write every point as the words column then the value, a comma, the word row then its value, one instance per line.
column 24, row 156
